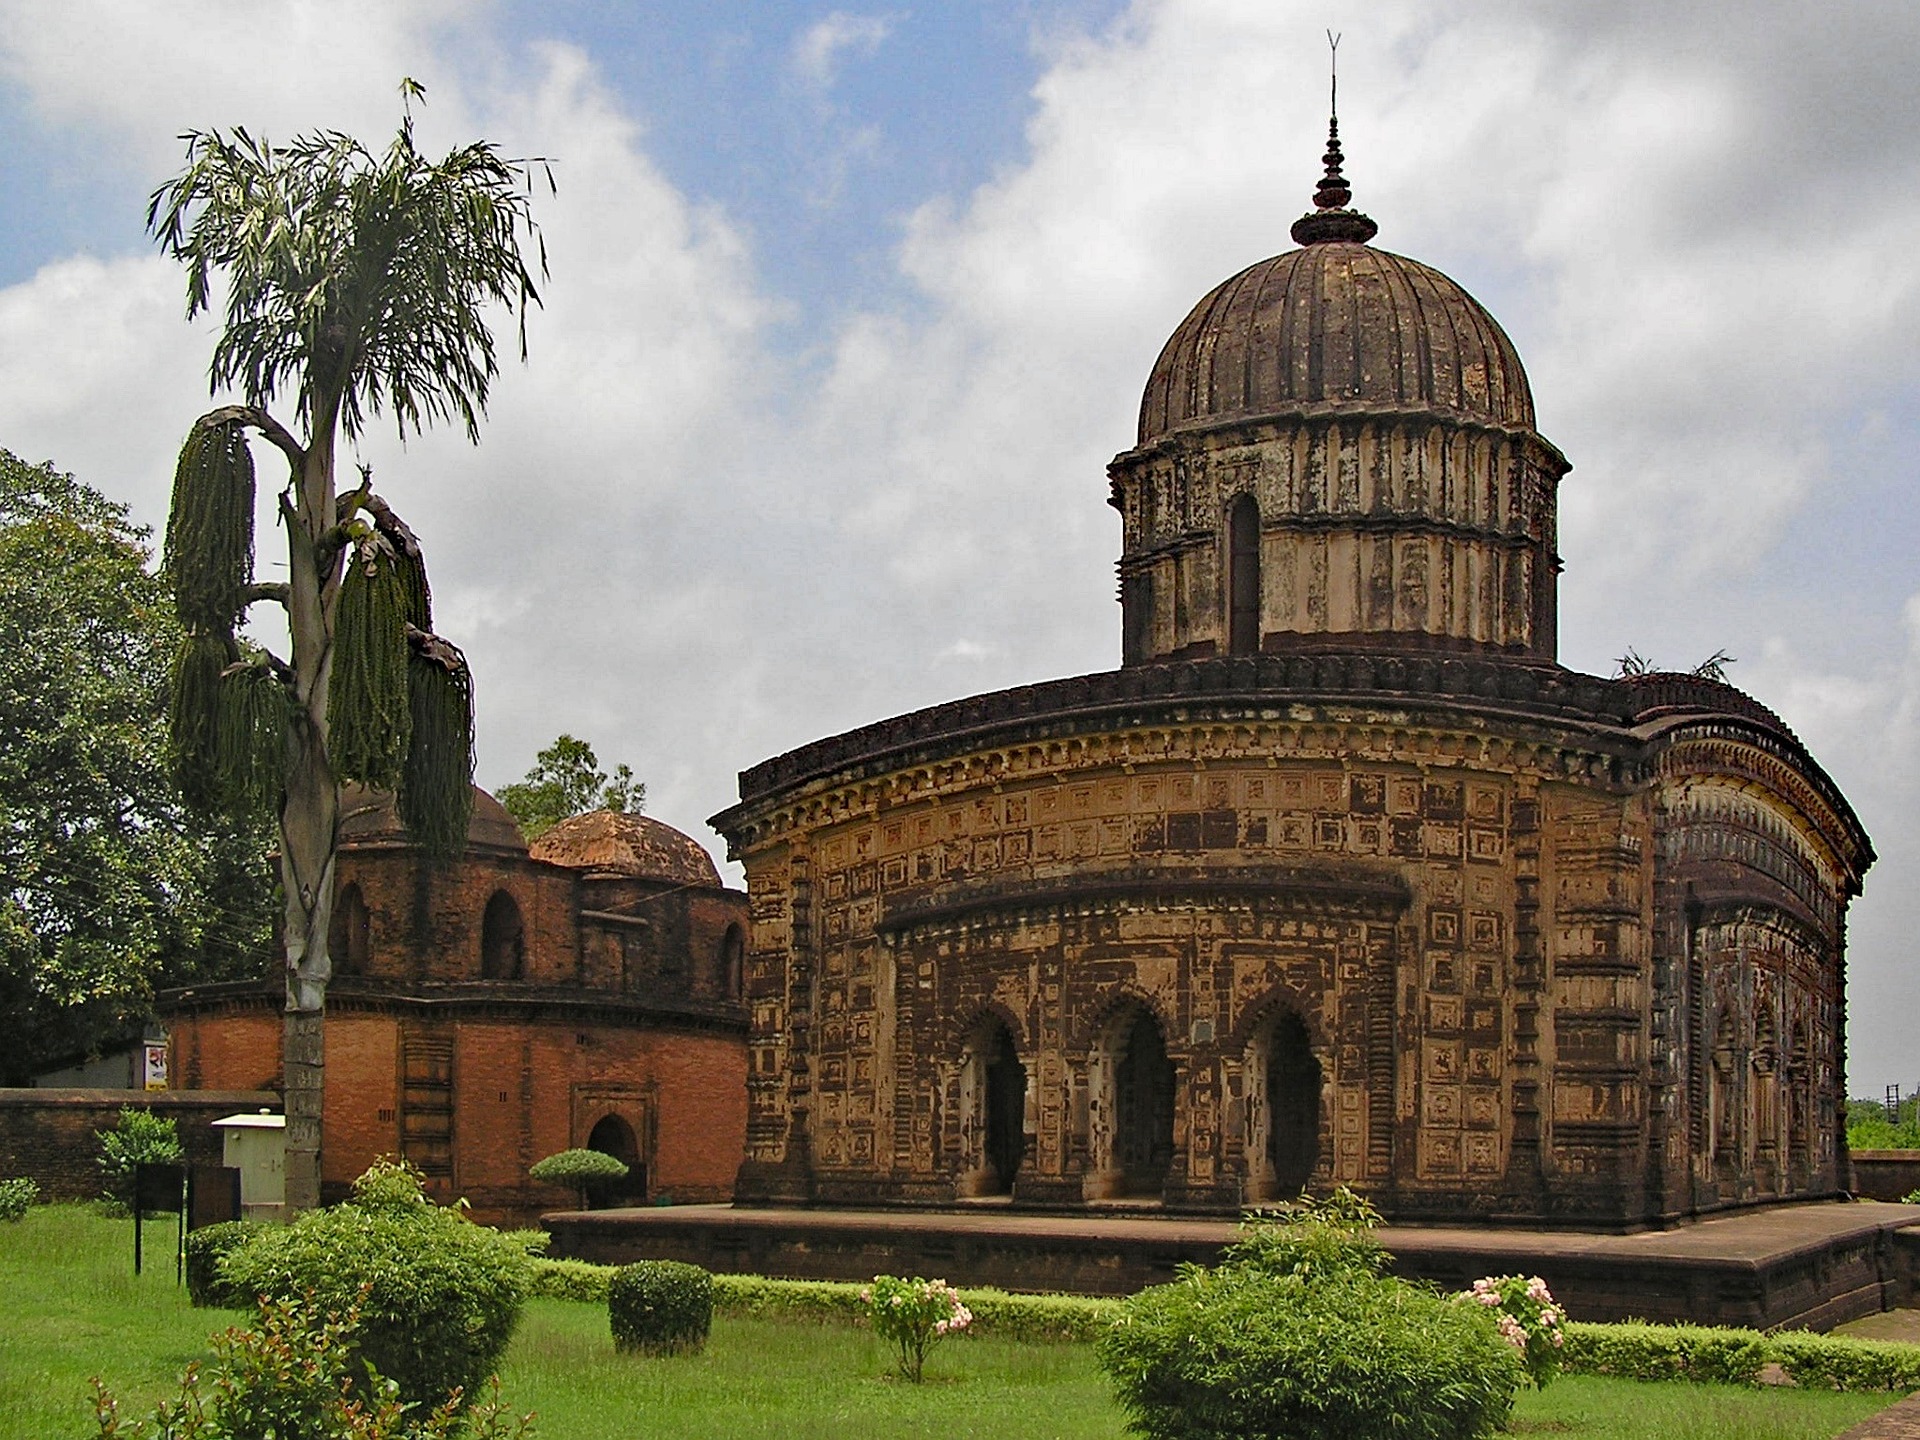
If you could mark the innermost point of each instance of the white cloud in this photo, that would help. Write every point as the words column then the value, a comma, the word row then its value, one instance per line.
column 676, row 544
column 819, row 51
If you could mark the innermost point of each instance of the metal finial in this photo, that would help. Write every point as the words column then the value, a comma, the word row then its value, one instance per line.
column 1331, row 219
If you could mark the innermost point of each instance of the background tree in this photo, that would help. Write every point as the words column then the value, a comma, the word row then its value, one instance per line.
column 566, row 779
column 108, row 889
column 358, row 282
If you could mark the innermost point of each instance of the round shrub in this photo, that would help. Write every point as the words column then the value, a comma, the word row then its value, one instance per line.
column 660, row 1307
column 442, row 1294
column 206, row 1248
column 1241, row 1354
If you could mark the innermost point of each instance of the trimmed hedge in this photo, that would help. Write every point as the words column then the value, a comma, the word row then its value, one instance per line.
column 206, row 1248
column 1728, row 1356
column 1629, row 1351
column 997, row 1312
column 659, row 1307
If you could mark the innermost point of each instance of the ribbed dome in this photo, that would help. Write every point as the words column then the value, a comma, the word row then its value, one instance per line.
column 635, row 845
column 370, row 817
column 1336, row 327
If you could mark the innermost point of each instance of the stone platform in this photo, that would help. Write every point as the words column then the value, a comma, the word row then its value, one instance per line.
column 1811, row 1266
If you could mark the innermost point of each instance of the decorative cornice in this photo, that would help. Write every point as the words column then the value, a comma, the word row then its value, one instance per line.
column 1289, row 889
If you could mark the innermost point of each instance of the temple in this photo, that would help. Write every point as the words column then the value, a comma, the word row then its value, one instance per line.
column 1341, row 878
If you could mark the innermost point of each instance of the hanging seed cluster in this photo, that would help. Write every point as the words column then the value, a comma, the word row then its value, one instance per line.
column 208, row 557
column 436, row 788
column 369, row 714
column 227, row 715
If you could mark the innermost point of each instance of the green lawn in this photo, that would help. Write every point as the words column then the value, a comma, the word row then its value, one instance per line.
column 72, row 1309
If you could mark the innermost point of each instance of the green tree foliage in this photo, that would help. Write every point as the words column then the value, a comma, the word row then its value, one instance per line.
column 566, row 780
column 355, row 282
column 1870, row 1127
column 109, row 888
column 139, row 1138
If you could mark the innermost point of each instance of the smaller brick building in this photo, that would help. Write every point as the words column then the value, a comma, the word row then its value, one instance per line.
column 486, row 1013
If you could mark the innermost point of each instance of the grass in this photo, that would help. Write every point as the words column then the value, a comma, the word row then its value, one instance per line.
column 73, row 1309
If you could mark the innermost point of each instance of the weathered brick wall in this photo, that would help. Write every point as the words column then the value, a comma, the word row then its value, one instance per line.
column 1885, row 1174
column 50, row 1135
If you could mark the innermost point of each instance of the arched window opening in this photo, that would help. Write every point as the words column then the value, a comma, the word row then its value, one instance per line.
column 1243, row 577
column 350, row 936
column 611, row 1135
column 1142, row 1109
column 733, row 955
column 503, row 940
column 1293, row 1106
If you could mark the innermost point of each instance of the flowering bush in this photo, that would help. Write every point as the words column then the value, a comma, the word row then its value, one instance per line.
column 913, row 1316
column 1527, row 1317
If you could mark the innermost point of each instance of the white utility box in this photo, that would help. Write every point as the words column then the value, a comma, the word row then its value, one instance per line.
column 256, row 1146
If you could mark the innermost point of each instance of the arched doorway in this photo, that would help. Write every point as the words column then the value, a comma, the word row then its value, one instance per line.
column 503, row 940
column 733, row 953
column 993, row 1111
column 611, row 1135
column 1292, row 1076
column 1142, row 1108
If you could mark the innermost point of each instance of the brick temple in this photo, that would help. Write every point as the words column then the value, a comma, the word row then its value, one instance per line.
column 483, row 1014
column 1341, row 878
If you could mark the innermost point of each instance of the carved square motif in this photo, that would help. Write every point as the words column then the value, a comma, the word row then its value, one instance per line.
column 1443, row 1061
column 895, row 835
column 1443, row 925
column 1443, row 1012
column 1329, row 833
column 836, row 885
column 1483, row 930
column 893, row 873
column 1293, row 788
column 1483, row 1154
column 1367, row 794
column 1257, row 789
column 1294, row 830
column 1183, row 788
column 1016, row 810
column 1366, row 837
column 1219, row 795
column 1442, row 840
column 1483, row 1108
column 1442, row 971
column 923, row 828
column 1485, row 844
column 1483, row 888
column 1017, row 847
column 1442, row 1105
column 1441, row 1151
column 1483, row 802
column 1483, row 1064
column 1444, row 800
column 1046, row 842
column 1403, row 797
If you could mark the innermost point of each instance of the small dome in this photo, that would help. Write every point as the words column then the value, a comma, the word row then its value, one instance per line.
column 1335, row 327
column 636, row 845
column 370, row 817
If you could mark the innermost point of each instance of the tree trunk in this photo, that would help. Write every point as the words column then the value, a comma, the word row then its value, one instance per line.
column 309, row 818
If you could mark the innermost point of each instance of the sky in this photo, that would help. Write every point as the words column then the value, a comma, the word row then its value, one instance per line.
column 850, row 306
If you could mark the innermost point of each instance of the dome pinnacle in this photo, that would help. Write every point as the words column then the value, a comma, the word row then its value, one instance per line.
column 1330, row 219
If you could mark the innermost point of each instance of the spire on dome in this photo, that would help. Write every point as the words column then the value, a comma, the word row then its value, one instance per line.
column 1330, row 219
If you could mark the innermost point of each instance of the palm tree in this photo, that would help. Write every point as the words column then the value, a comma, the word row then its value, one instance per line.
column 356, row 283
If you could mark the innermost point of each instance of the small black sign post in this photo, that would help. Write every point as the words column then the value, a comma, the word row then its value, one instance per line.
column 160, row 1190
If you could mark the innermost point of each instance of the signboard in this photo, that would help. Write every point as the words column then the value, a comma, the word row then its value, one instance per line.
column 154, row 1064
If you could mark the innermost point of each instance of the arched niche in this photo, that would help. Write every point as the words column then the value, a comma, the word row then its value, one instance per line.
column 993, row 1111
column 350, row 936
column 503, row 939
column 1284, row 1083
column 1131, row 1082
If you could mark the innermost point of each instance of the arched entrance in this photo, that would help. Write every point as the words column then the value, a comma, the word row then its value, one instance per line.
column 994, row 1111
column 1142, row 1108
column 612, row 1135
column 1290, row 1076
